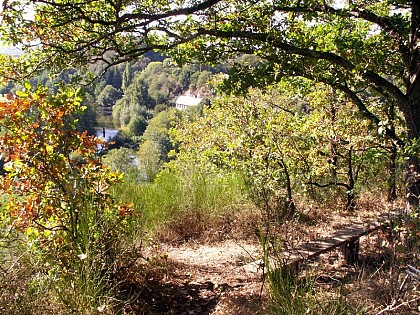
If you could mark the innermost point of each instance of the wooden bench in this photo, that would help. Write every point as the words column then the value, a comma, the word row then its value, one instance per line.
column 346, row 238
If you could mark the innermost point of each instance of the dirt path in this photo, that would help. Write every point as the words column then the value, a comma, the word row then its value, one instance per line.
column 208, row 279
column 222, row 278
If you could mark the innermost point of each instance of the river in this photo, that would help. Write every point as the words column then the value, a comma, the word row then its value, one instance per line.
column 106, row 134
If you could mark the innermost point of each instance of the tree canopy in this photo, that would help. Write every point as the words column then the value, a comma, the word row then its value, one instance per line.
column 366, row 49
column 352, row 45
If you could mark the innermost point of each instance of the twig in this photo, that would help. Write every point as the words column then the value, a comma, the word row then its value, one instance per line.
column 245, row 250
column 415, row 273
column 390, row 308
column 400, row 291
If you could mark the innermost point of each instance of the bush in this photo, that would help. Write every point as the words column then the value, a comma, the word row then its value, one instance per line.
column 59, row 206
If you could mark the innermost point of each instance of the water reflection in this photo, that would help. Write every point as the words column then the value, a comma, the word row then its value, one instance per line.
column 106, row 134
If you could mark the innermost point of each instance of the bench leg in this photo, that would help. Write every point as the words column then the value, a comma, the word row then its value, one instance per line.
column 351, row 252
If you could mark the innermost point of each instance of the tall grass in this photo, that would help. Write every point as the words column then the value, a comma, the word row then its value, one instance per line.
column 55, row 272
column 174, row 195
column 294, row 296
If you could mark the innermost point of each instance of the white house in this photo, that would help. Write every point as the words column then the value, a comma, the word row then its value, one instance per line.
column 185, row 101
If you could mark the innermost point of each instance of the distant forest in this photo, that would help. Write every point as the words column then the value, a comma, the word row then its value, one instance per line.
column 128, row 95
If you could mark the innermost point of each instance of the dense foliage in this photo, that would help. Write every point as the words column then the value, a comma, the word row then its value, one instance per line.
column 351, row 46
column 318, row 100
column 286, row 145
column 55, row 194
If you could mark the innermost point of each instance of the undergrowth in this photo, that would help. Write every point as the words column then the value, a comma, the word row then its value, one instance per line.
column 186, row 204
column 291, row 295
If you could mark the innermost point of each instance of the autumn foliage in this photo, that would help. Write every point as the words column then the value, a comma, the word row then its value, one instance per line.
column 53, row 178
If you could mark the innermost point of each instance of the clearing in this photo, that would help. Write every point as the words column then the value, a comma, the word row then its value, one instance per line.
column 221, row 277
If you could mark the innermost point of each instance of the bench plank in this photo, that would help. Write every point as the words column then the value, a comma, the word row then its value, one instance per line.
column 339, row 238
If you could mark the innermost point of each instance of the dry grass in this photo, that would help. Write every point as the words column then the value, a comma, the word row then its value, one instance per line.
column 373, row 285
column 194, row 265
column 21, row 294
column 194, row 226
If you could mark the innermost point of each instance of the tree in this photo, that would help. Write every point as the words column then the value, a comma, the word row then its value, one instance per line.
column 127, row 76
column 54, row 178
column 157, row 132
column 87, row 120
column 203, row 79
column 286, row 144
column 150, row 159
column 343, row 148
column 247, row 135
column 108, row 96
column 163, row 88
column 353, row 46
column 184, row 77
column 135, row 102
column 136, row 126
column 122, row 160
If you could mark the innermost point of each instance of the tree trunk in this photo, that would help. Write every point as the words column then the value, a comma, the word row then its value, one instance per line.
column 413, row 165
column 351, row 202
column 393, row 155
column 2, row 162
column 290, row 204
column 411, row 110
column 392, row 186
